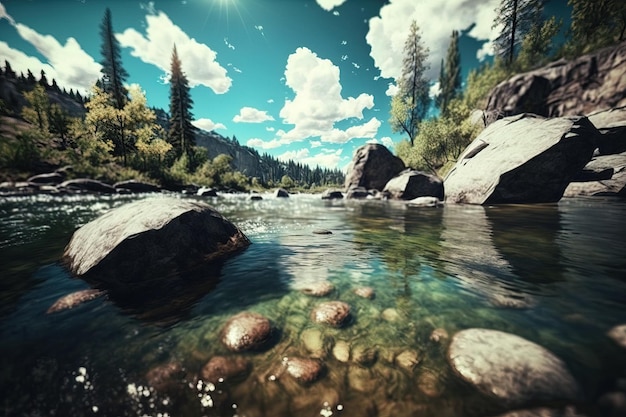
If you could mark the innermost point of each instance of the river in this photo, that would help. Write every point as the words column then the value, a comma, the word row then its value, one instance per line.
column 553, row 274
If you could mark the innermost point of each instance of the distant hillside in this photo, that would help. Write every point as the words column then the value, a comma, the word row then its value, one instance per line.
column 244, row 159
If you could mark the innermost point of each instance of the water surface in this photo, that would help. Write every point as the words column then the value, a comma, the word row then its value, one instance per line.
column 552, row 274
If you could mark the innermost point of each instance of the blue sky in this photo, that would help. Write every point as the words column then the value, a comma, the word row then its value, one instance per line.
column 308, row 80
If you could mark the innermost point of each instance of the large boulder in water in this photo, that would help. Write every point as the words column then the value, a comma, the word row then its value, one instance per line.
column 522, row 159
column 510, row 368
column 611, row 185
column 148, row 239
column 410, row 184
column 372, row 167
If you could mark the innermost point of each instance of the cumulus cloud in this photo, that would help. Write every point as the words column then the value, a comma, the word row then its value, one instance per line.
column 260, row 143
column 387, row 141
column 67, row 63
column 328, row 5
column 326, row 158
column 207, row 124
column 434, row 90
column 198, row 60
column 318, row 103
column 252, row 115
column 436, row 20
column 392, row 89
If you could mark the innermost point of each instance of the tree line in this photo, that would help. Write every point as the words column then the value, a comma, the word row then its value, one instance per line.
column 119, row 136
column 526, row 41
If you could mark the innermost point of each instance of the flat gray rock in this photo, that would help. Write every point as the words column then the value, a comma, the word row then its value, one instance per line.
column 512, row 369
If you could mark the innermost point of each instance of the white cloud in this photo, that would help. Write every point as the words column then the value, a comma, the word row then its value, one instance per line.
column 387, row 141
column 316, row 143
column 270, row 101
column 392, row 89
column 328, row 5
column 228, row 44
column 270, row 129
column 207, row 124
column 436, row 20
column 328, row 159
column 260, row 29
column 68, row 63
column 260, row 143
column 434, row 90
column 252, row 115
column 198, row 60
column 318, row 104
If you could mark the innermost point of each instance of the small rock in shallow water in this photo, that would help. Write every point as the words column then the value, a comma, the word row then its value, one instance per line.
column 618, row 334
column 391, row 314
column 221, row 368
column 303, row 370
column 341, row 351
column 333, row 313
column 510, row 368
column 313, row 341
column 246, row 331
column 365, row 292
column 165, row 376
column 407, row 360
column 439, row 335
column 76, row 298
column 322, row 232
column 430, row 384
column 318, row 289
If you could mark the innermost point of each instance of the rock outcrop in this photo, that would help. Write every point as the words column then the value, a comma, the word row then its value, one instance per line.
column 372, row 167
column 566, row 88
column 513, row 370
column 522, row 159
column 611, row 185
column 144, row 240
column 410, row 184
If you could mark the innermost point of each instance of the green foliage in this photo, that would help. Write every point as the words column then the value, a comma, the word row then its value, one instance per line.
column 286, row 182
column 450, row 77
column 410, row 104
column 90, row 145
column 440, row 140
column 182, row 133
column 595, row 24
column 515, row 18
column 113, row 74
column 38, row 108
column 481, row 81
column 23, row 153
column 537, row 45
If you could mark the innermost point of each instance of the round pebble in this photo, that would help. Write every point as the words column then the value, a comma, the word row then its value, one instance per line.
column 332, row 313
column 246, row 331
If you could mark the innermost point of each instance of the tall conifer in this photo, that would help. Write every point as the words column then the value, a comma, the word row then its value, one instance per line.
column 516, row 18
column 450, row 76
column 113, row 74
column 182, row 132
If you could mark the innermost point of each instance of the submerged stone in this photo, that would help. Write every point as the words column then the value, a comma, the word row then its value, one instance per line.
column 365, row 292
column 303, row 370
column 512, row 369
column 430, row 384
column 221, row 368
column 166, row 376
column 313, row 341
column 407, row 360
column 333, row 313
column 318, row 289
column 364, row 355
column 439, row 335
column 391, row 315
column 618, row 334
column 74, row 299
column 341, row 351
column 246, row 331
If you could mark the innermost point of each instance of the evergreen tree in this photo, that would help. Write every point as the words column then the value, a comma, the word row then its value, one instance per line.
column 450, row 77
column 410, row 104
column 55, row 86
column 181, row 131
column 43, row 81
column 38, row 108
column 30, row 78
column 8, row 71
column 597, row 23
column 114, row 75
column 516, row 18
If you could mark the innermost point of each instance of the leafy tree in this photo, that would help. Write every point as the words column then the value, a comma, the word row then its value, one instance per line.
column 181, row 132
column 410, row 104
column 537, row 44
column 38, row 107
column 114, row 75
column 597, row 23
column 450, row 76
column 516, row 18
column 482, row 80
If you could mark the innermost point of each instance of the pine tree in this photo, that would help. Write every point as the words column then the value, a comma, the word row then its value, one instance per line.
column 597, row 23
column 30, row 78
column 410, row 104
column 114, row 75
column 8, row 71
column 450, row 76
column 517, row 18
column 181, row 131
column 43, row 81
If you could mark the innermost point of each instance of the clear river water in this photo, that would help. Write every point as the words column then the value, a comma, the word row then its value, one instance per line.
column 553, row 274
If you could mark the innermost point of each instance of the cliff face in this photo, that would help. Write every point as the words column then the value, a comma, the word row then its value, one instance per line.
column 243, row 159
column 589, row 83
